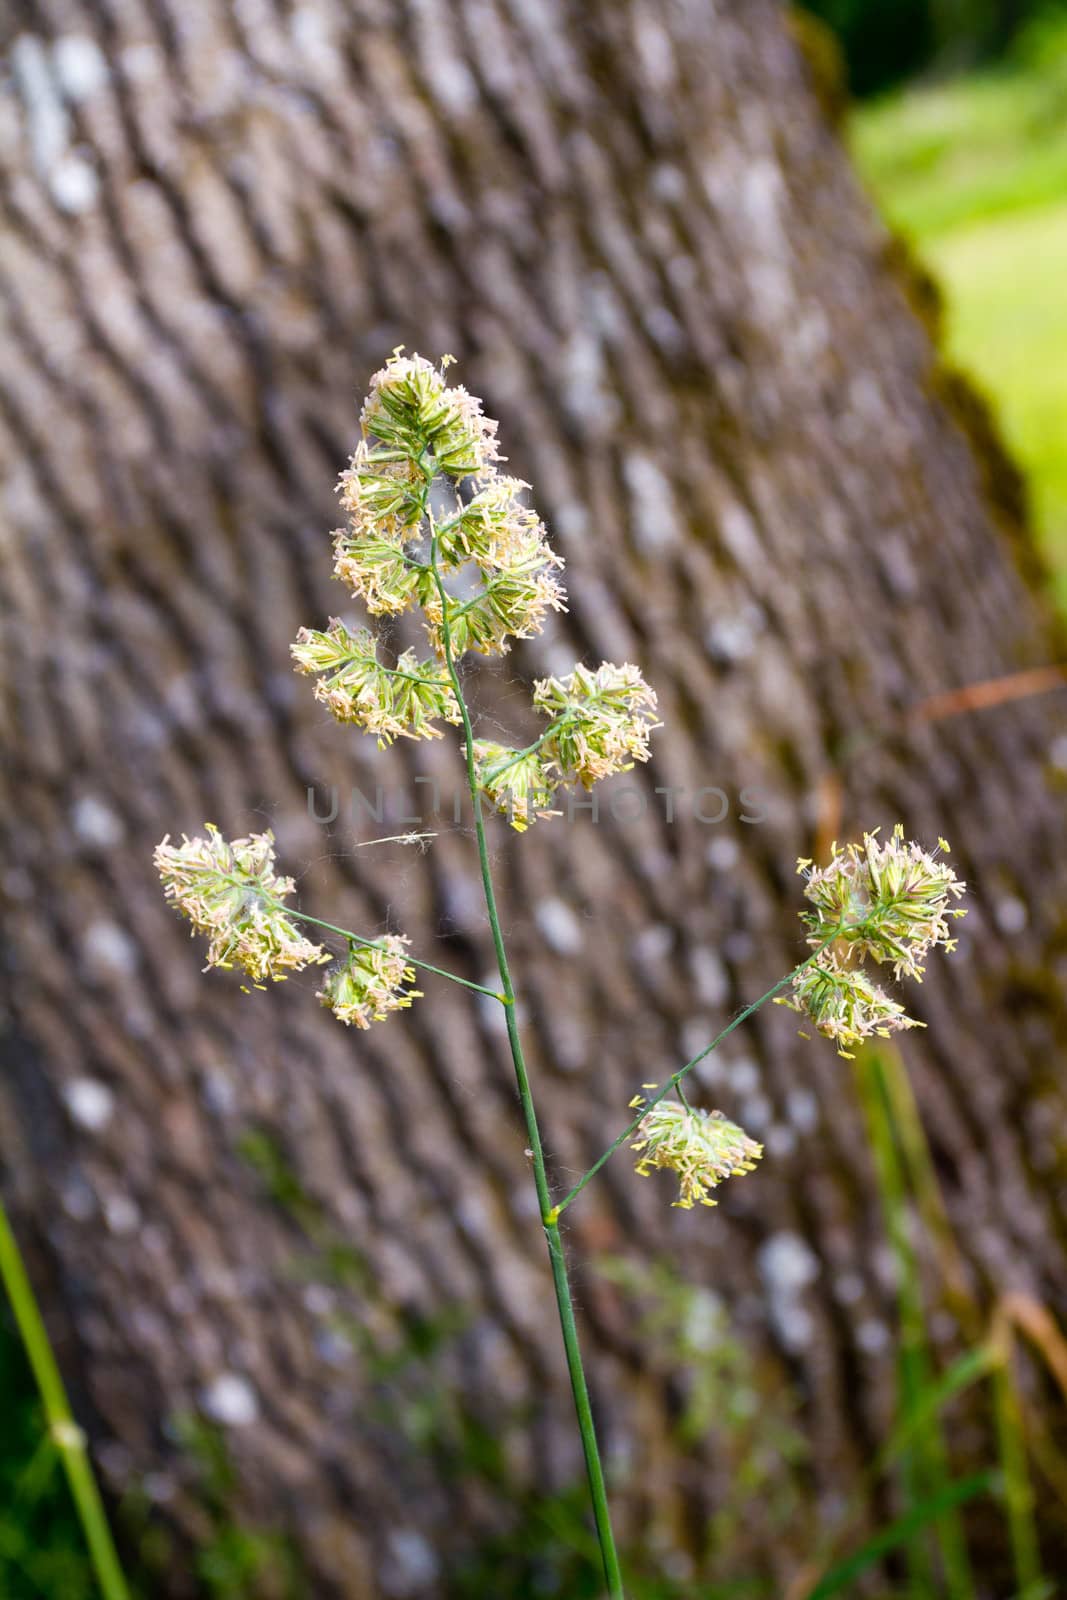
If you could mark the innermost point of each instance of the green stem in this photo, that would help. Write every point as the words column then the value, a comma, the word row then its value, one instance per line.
column 468, row 605
column 924, row 1465
column 390, row 672
column 426, row 966
column 63, row 1430
column 356, row 938
column 549, row 1214
column 676, row 1078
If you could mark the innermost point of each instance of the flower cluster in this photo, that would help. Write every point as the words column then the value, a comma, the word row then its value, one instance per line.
column 480, row 568
column 888, row 902
column 416, row 427
column 506, row 542
column 601, row 720
column 894, row 899
column 494, row 528
column 370, row 983
column 600, row 725
column 511, row 604
column 230, row 891
column 381, row 492
column 376, row 569
column 845, row 1004
column 702, row 1147
column 412, row 410
column 398, row 547
column 392, row 702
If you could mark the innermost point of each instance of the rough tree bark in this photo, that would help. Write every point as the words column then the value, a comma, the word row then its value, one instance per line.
column 634, row 225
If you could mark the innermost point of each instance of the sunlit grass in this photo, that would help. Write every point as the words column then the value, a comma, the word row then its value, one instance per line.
column 945, row 156
column 976, row 172
column 1008, row 323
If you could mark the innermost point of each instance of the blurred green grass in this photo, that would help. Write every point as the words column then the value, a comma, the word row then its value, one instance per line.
column 975, row 172
column 42, row 1553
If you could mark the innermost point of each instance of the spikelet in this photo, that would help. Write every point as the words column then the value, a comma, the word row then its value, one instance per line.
column 889, row 903
column 703, row 1147
column 230, row 891
column 404, row 701
column 601, row 720
column 370, row 983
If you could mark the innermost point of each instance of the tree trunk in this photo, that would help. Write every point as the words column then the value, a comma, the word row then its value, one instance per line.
column 636, row 229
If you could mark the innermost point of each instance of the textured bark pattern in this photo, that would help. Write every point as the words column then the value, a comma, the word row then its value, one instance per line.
column 633, row 226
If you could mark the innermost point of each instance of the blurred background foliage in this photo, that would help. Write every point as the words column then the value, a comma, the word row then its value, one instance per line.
column 887, row 41
column 959, row 128
column 41, row 1548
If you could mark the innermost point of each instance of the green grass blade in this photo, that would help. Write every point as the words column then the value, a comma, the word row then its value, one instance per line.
column 924, row 1460
column 1018, row 1489
column 900, row 1533
column 968, row 1369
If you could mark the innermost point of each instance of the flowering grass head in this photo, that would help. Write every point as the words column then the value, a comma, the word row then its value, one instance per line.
column 894, row 900
column 371, row 982
column 404, row 701
column 511, row 603
column 412, row 410
column 230, row 891
column 495, row 528
column 380, row 492
column 421, row 434
column 891, row 903
column 375, row 569
column 601, row 720
column 426, row 503
column 433, row 526
column 702, row 1147
column 845, row 1004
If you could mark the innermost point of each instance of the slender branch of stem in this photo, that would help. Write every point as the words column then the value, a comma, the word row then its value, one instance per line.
column 517, row 755
column 549, row 1216
column 468, row 605
column 675, row 1079
column 357, row 938
column 554, row 726
column 426, row 966
column 63, row 1430
column 390, row 672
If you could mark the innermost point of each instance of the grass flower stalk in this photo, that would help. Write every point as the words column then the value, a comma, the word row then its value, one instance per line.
column 483, row 574
column 549, row 1213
